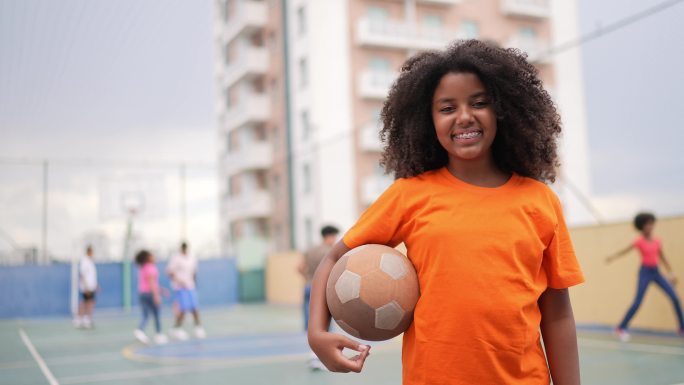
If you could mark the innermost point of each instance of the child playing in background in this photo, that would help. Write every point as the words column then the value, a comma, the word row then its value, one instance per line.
column 651, row 250
column 150, row 296
column 471, row 137
column 88, row 286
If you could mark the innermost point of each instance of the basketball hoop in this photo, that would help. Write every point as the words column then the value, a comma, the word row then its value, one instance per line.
column 132, row 202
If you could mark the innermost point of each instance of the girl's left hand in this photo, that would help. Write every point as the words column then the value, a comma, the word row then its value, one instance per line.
column 165, row 292
column 672, row 279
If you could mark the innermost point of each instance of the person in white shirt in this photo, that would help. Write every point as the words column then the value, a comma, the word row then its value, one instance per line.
column 182, row 269
column 88, row 286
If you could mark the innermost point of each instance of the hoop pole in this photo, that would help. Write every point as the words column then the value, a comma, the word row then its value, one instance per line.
column 126, row 265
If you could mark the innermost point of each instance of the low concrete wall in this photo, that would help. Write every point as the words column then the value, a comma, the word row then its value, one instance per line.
column 284, row 284
column 602, row 299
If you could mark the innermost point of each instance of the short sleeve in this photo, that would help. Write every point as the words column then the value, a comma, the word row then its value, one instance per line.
column 381, row 222
column 560, row 262
column 171, row 266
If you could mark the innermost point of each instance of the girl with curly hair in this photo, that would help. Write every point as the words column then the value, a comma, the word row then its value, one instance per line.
column 471, row 136
column 651, row 250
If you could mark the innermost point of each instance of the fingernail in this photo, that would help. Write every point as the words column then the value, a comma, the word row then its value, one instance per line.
column 363, row 348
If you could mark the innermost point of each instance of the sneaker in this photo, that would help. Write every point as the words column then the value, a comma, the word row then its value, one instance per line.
column 179, row 334
column 681, row 332
column 87, row 323
column 161, row 339
column 200, row 333
column 77, row 322
column 622, row 334
column 141, row 336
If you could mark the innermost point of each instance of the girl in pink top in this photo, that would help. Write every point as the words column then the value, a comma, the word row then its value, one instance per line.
column 150, row 296
column 651, row 252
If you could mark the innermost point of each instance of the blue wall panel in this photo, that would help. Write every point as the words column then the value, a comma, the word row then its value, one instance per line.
column 45, row 290
column 34, row 290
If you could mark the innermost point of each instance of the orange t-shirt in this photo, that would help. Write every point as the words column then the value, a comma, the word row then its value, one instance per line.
column 483, row 258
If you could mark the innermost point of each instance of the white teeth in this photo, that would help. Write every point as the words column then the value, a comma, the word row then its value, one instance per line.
column 468, row 135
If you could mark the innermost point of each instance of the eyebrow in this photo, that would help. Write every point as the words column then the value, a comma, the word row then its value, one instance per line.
column 450, row 99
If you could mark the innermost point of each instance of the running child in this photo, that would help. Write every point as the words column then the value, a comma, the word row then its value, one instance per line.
column 651, row 250
column 150, row 297
column 471, row 137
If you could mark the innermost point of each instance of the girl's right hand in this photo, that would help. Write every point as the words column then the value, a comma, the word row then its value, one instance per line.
column 328, row 347
column 157, row 299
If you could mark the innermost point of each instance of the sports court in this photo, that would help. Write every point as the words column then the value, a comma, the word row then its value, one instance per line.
column 262, row 344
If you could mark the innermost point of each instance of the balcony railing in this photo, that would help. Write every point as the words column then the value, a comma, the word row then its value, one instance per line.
column 255, row 108
column 526, row 8
column 376, row 84
column 253, row 204
column 403, row 35
column 250, row 156
column 370, row 137
column 536, row 48
column 373, row 186
column 249, row 17
column 251, row 62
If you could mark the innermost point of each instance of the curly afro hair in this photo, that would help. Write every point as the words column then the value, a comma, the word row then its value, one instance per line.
column 527, row 121
column 641, row 219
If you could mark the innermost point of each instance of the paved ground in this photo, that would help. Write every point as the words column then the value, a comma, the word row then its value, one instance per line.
column 260, row 344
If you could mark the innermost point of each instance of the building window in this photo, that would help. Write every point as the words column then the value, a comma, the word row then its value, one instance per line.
column 306, row 125
column 470, row 29
column 303, row 73
column 527, row 33
column 301, row 21
column 225, row 10
column 432, row 21
column 378, row 14
column 379, row 64
column 306, row 178
column 273, row 42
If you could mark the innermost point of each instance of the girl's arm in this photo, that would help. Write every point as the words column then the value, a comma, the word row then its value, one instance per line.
column 328, row 346
column 560, row 338
column 665, row 262
column 152, row 282
column 619, row 253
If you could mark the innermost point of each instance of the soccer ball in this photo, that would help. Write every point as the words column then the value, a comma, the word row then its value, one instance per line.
column 372, row 291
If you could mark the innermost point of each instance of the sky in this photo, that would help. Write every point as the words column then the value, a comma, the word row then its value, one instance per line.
column 133, row 80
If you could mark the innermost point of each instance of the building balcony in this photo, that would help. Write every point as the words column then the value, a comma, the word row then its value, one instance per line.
column 535, row 48
column 251, row 62
column 249, row 17
column 254, row 109
column 539, row 9
column 403, row 35
column 249, row 157
column 370, row 137
column 376, row 84
column 373, row 186
column 254, row 204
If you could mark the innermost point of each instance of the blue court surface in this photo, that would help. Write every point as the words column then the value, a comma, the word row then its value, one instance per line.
column 261, row 344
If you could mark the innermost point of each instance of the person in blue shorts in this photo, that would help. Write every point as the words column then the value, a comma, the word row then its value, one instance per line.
column 182, row 269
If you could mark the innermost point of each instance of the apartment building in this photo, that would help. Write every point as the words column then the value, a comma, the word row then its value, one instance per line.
column 300, row 88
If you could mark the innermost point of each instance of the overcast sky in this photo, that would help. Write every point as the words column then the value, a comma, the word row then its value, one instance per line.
column 131, row 79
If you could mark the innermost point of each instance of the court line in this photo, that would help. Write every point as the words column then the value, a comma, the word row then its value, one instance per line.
column 635, row 347
column 63, row 360
column 36, row 356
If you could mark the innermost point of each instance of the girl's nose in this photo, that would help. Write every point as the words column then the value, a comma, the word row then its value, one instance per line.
column 464, row 118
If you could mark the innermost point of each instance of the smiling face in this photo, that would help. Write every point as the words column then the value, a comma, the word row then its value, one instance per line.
column 464, row 118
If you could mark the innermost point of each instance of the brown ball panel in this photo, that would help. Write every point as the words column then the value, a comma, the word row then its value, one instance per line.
column 407, row 291
column 377, row 289
column 363, row 262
